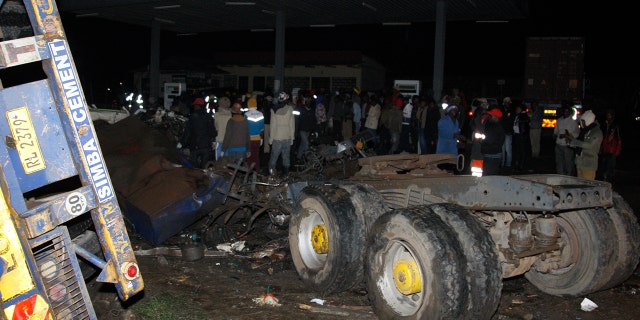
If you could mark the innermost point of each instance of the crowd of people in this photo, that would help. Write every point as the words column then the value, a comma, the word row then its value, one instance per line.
column 494, row 138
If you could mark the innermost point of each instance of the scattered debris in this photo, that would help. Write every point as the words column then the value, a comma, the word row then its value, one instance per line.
column 162, row 261
column 324, row 310
column 272, row 251
column 192, row 251
column 588, row 305
column 345, row 311
column 174, row 252
column 267, row 300
column 237, row 246
column 318, row 301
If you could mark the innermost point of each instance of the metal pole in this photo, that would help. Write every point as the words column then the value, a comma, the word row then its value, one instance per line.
column 278, row 81
column 438, row 53
column 154, row 60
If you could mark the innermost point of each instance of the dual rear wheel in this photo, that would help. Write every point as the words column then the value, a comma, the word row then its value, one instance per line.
column 429, row 261
column 600, row 250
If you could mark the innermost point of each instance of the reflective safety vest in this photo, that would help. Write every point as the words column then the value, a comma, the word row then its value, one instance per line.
column 255, row 119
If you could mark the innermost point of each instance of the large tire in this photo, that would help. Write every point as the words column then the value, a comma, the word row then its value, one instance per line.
column 627, row 254
column 81, row 233
column 367, row 201
column 483, row 271
column 79, row 225
column 326, row 238
column 588, row 255
column 415, row 267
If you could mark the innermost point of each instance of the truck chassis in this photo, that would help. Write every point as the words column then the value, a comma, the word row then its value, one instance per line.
column 428, row 244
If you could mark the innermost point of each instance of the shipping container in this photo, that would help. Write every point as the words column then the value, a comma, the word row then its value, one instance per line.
column 554, row 69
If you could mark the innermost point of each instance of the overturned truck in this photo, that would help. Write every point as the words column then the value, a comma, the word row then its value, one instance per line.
column 433, row 245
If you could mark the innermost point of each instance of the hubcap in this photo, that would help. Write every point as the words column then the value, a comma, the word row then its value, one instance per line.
column 320, row 239
column 406, row 276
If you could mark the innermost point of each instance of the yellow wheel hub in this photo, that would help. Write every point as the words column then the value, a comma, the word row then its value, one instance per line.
column 320, row 239
column 406, row 276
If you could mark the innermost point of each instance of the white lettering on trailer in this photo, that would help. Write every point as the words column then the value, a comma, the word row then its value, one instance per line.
column 73, row 98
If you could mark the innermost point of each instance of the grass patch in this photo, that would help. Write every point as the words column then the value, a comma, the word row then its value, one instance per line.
column 168, row 306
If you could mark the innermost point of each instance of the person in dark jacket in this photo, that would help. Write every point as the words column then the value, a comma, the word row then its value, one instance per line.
column 307, row 124
column 521, row 145
column 236, row 143
column 431, row 126
column 607, row 157
column 199, row 134
column 491, row 145
column 507, row 120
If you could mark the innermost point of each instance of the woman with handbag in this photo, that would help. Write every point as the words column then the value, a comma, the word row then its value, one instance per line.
column 610, row 148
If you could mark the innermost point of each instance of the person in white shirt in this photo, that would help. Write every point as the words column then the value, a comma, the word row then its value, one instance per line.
column 565, row 155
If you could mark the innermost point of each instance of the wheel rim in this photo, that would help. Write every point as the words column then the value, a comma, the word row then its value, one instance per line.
column 570, row 250
column 313, row 237
column 403, row 282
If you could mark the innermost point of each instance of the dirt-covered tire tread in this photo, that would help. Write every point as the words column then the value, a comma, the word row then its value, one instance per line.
column 367, row 201
column 595, row 264
column 79, row 225
column 343, row 268
column 438, row 253
column 483, row 269
column 628, row 242
column 89, row 241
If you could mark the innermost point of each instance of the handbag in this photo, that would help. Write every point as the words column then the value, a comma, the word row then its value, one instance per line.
column 612, row 143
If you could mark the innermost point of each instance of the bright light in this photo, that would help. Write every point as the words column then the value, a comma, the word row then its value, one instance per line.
column 444, row 106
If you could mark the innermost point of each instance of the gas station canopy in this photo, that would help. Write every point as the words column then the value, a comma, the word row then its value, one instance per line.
column 198, row 16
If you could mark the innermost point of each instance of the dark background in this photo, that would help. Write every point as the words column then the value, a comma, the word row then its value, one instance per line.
column 106, row 53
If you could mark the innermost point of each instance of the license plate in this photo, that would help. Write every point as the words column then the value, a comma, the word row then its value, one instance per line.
column 26, row 140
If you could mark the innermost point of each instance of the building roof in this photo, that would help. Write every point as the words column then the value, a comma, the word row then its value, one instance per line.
column 197, row 16
column 291, row 58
